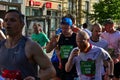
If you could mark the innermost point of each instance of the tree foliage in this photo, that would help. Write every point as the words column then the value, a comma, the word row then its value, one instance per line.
column 106, row 9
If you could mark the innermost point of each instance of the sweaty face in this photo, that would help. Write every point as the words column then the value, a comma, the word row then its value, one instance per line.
column 35, row 28
column 66, row 29
column 81, row 43
column 12, row 24
column 96, row 31
column 109, row 27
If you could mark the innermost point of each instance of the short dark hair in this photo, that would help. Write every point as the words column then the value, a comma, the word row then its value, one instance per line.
column 21, row 16
column 72, row 17
column 85, row 25
column 108, row 21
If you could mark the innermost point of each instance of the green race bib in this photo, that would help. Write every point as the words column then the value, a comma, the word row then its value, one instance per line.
column 65, row 50
column 87, row 67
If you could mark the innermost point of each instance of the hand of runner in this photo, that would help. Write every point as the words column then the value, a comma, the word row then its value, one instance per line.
column 76, row 51
column 60, row 65
column 55, row 38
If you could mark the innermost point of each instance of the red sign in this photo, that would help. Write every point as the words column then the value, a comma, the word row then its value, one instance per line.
column 31, row 2
column 34, row 3
column 37, row 3
column 48, row 5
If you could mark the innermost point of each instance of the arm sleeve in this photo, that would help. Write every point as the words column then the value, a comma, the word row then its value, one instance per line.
column 105, row 54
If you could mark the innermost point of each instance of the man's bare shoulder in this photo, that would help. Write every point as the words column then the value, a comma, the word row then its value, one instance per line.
column 30, row 43
column 32, row 47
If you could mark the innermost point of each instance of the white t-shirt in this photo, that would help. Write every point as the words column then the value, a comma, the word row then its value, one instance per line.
column 113, row 40
column 90, row 62
column 101, row 43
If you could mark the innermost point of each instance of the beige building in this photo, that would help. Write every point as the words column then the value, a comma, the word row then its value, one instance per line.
column 9, row 4
column 48, row 13
column 77, row 7
column 44, row 12
column 87, row 5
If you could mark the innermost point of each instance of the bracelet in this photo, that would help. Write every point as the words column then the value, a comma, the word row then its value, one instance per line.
column 111, row 76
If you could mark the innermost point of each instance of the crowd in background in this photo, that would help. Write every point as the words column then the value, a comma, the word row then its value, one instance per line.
column 79, row 53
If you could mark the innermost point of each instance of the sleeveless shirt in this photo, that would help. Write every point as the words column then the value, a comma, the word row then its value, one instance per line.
column 16, row 59
column 67, row 42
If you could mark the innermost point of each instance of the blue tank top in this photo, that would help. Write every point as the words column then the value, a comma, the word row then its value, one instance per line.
column 15, row 59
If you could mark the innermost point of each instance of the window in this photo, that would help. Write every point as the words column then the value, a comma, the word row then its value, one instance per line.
column 36, row 12
column 12, row 7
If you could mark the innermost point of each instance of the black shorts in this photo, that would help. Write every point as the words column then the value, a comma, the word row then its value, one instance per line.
column 58, row 71
column 62, row 74
column 117, row 70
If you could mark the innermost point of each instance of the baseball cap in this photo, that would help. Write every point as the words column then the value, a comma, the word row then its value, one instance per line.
column 108, row 21
column 67, row 21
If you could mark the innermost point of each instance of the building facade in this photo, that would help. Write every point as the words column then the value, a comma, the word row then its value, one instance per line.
column 45, row 12
column 9, row 4
column 48, row 13
column 78, row 7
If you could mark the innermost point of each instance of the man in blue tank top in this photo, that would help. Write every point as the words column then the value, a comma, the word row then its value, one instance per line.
column 20, row 53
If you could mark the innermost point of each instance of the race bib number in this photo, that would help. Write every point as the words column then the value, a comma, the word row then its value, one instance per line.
column 87, row 67
column 65, row 50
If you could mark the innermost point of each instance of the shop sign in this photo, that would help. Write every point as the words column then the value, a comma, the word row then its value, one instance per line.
column 48, row 5
column 34, row 3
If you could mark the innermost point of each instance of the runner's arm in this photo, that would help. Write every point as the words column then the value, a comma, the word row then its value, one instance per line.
column 110, row 66
column 58, row 56
column 70, row 61
column 35, row 54
column 52, row 44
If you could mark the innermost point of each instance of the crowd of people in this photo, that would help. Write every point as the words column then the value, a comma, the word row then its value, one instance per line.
column 78, row 53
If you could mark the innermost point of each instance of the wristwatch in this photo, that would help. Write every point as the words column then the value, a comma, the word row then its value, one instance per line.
column 111, row 76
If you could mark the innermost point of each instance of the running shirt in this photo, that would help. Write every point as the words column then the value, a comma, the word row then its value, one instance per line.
column 40, row 38
column 15, row 59
column 101, row 43
column 66, row 44
column 113, row 41
column 89, row 65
